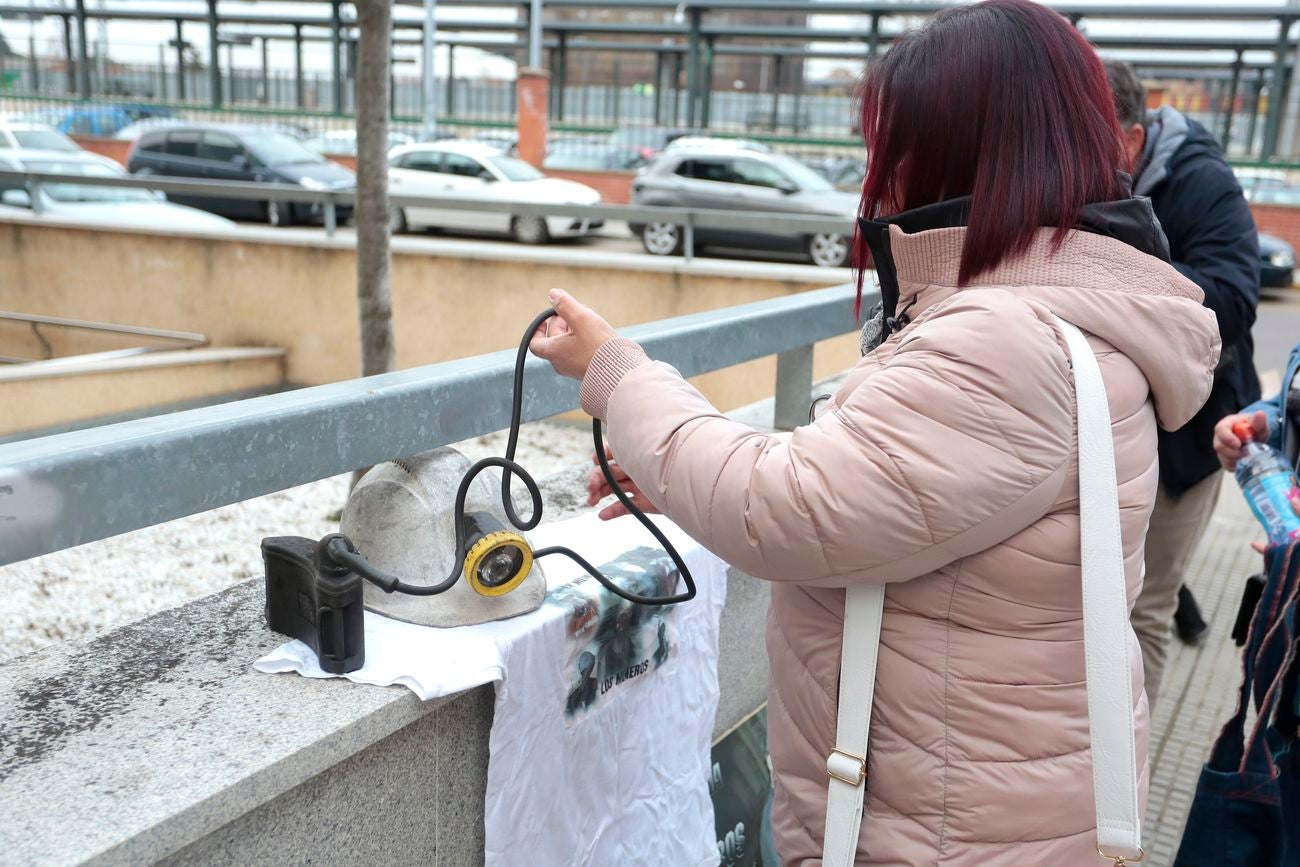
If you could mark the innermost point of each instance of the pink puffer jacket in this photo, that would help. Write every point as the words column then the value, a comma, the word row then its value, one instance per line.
column 945, row 465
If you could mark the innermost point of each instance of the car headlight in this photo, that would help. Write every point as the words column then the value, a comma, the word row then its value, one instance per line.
column 1282, row 259
column 311, row 184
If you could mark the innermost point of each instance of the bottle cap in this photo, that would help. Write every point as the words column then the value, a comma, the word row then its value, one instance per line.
column 1243, row 430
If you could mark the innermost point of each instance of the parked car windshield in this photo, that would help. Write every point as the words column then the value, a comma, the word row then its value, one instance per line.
column 82, row 192
column 808, row 179
column 513, row 169
column 278, row 149
column 44, row 140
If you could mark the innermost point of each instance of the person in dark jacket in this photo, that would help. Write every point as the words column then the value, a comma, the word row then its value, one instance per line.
column 1213, row 242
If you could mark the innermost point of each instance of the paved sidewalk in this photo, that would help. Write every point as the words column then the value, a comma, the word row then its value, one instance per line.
column 1199, row 692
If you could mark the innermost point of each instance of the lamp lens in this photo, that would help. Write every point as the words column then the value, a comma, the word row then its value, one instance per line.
column 500, row 566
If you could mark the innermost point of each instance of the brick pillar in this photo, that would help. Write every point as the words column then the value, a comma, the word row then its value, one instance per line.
column 531, row 90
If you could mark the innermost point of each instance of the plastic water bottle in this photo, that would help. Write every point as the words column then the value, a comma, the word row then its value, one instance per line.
column 1267, row 481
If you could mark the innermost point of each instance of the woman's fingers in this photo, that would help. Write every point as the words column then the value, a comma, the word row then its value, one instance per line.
column 613, row 510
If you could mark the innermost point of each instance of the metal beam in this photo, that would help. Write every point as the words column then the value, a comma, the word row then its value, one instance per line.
column 450, row 101
column 70, row 62
column 336, row 61
column 535, row 34
column 1226, row 135
column 266, row 73
column 214, row 57
column 180, row 60
column 693, row 62
column 83, row 52
column 428, row 85
column 1276, row 91
column 299, row 94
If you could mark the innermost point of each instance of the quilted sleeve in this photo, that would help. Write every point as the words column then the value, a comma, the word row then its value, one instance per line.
column 961, row 440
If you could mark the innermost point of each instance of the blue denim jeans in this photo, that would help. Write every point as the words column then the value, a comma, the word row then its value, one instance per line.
column 1247, row 806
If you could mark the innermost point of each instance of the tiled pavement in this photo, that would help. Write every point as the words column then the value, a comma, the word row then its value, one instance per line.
column 1199, row 690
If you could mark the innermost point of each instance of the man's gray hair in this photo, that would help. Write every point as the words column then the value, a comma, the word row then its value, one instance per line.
column 1130, row 96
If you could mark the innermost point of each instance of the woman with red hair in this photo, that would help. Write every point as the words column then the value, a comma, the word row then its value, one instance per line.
column 946, row 466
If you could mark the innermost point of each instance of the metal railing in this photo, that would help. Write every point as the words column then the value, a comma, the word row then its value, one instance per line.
column 689, row 219
column 72, row 488
column 187, row 339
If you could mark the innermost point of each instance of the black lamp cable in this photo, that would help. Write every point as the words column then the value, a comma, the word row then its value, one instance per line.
column 340, row 550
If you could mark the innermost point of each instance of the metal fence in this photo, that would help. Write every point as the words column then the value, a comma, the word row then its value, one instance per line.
column 65, row 490
column 689, row 219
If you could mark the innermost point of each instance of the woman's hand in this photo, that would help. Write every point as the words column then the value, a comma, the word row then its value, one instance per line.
column 1226, row 444
column 569, row 339
column 598, row 489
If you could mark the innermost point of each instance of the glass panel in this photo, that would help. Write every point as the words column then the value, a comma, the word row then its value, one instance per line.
column 221, row 147
column 183, row 144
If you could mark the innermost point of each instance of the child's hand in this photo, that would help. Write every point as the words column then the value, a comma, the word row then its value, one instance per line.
column 1226, row 444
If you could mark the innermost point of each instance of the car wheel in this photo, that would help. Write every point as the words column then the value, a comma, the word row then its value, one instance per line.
column 530, row 230
column 828, row 249
column 397, row 221
column 662, row 239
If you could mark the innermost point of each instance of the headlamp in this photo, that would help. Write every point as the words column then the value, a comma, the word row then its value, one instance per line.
column 496, row 559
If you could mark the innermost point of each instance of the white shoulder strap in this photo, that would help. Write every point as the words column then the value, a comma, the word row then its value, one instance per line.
column 1105, row 639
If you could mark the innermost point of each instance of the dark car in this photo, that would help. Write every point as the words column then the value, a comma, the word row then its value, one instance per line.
column 719, row 178
column 241, row 153
column 1277, row 263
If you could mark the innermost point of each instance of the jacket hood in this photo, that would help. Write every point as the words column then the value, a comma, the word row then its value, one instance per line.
column 1167, row 131
column 1110, row 276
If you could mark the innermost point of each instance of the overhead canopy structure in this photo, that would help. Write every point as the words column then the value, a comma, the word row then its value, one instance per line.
column 686, row 31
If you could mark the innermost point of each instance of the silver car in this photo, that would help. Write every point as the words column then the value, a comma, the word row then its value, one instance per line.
column 746, row 180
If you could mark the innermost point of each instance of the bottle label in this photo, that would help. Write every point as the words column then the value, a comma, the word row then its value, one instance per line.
column 1270, row 500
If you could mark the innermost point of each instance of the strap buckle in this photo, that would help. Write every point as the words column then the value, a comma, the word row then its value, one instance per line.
column 1121, row 860
column 840, row 769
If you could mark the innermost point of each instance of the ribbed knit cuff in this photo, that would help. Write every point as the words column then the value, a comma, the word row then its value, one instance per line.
column 609, row 365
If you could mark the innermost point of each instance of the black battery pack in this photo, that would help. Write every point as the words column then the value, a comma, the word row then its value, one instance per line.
column 318, row 604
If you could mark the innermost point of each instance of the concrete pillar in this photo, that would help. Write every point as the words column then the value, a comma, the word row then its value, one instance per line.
column 531, row 88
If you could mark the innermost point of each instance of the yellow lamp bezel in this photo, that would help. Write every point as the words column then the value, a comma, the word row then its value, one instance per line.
column 485, row 546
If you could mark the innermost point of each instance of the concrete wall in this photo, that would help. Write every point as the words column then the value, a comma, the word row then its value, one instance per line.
column 35, row 399
column 157, row 743
column 296, row 290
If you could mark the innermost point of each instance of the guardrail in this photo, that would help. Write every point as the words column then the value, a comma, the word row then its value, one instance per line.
column 186, row 338
column 688, row 218
column 69, row 489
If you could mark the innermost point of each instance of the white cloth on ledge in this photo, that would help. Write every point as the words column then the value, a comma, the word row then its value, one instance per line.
column 600, row 741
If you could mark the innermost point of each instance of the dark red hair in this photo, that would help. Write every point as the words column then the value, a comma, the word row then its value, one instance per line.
column 1003, row 101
